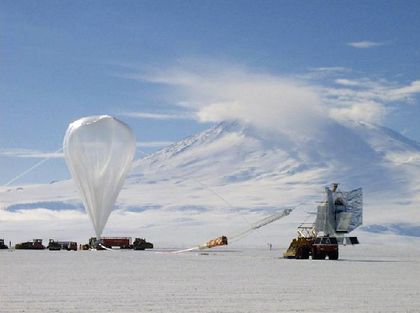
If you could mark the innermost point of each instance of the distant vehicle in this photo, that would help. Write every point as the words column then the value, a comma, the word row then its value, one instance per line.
column 319, row 248
column 85, row 247
column 62, row 245
column 2, row 245
column 36, row 244
column 118, row 242
column 110, row 242
column 141, row 244
column 219, row 241
column 325, row 246
column 340, row 214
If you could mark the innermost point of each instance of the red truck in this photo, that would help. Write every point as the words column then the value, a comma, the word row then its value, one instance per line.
column 109, row 242
column 325, row 246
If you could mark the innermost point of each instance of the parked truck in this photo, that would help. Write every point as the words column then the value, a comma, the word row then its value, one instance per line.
column 117, row 242
column 62, row 245
column 337, row 216
column 319, row 248
column 2, row 245
column 35, row 244
column 141, row 244
column 110, row 242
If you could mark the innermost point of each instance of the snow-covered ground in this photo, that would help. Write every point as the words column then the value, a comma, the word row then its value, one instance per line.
column 218, row 183
column 367, row 278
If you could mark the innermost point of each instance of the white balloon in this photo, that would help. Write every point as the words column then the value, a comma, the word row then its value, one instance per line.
column 99, row 151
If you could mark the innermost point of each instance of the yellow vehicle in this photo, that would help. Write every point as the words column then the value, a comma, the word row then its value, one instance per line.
column 301, row 247
column 338, row 215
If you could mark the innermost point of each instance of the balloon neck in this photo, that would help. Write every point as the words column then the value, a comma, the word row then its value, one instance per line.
column 98, row 242
column 95, row 243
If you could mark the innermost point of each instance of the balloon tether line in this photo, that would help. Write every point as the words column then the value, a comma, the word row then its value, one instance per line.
column 31, row 168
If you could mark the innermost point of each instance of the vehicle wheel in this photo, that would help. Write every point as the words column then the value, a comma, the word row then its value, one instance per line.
column 333, row 255
column 299, row 253
column 305, row 253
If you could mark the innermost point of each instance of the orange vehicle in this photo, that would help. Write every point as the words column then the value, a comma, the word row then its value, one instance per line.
column 219, row 241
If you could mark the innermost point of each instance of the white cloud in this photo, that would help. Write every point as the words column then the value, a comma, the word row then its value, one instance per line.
column 330, row 69
column 365, row 44
column 28, row 153
column 222, row 92
column 366, row 99
column 154, row 144
column 406, row 91
column 347, row 82
column 160, row 116
column 297, row 104
column 369, row 111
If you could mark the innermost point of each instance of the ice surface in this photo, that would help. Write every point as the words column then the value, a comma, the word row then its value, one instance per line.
column 366, row 279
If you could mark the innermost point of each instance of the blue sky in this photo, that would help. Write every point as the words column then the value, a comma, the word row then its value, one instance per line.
column 163, row 67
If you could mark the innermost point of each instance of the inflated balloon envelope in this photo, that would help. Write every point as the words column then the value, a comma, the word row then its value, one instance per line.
column 99, row 151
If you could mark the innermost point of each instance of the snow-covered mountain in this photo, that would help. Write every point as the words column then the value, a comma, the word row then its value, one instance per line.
column 232, row 174
column 258, row 169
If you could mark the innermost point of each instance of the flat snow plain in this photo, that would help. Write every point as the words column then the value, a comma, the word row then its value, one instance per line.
column 365, row 279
